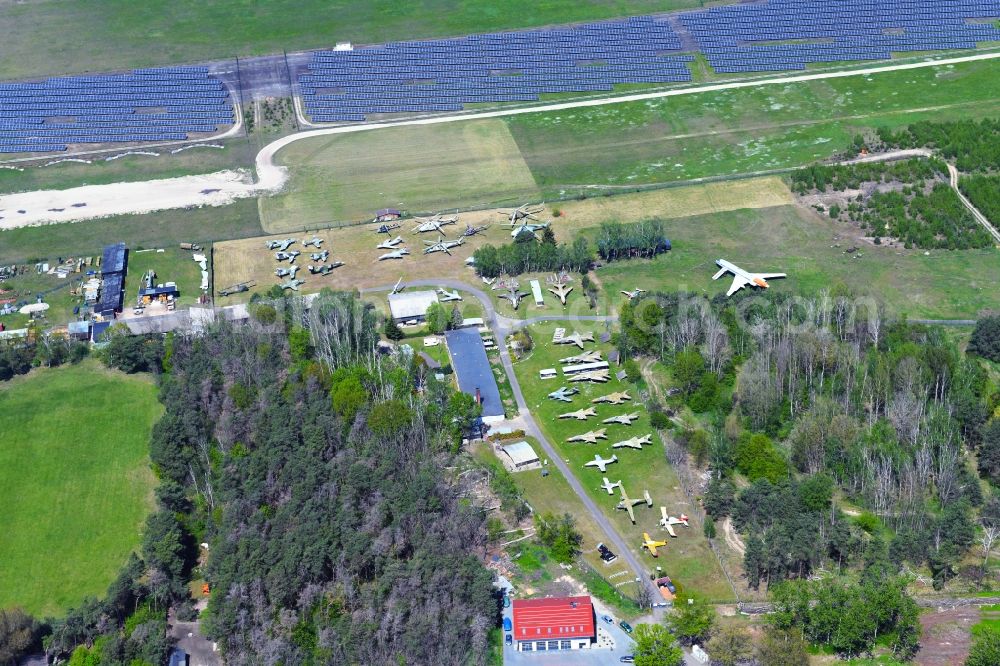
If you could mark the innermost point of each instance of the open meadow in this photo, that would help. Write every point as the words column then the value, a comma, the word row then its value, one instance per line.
column 75, row 483
column 170, row 264
column 687, row 558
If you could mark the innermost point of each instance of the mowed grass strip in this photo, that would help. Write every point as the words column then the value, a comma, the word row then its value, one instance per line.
column 743, row 130
column 343, row 178
column 75, row 483
column 810, row 248
column 686, row 558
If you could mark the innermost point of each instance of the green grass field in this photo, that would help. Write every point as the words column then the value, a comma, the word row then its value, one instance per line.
column 687, row 558
column 423, row 168
column 236, row 154
column 101, row 35
column 170, row 265
column 166, row 228
column 740, row 131
column 75, row 484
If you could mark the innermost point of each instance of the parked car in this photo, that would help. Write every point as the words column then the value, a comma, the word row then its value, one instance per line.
column 506, row 601
column 626, row 627
column 662, row 604
column 608, row 619
column 508, row 639
column 507, row 626
column 627, row 659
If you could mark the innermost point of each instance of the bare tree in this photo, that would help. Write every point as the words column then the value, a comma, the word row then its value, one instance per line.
column 988, row 537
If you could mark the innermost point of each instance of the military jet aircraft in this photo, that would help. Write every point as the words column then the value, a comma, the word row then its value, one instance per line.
column 633, row 442
column 564, row 393
column 580, row 414
column 601, row 463
column 599, row 376
column 742, row 278
column 616, row 398
column 446, row 296
column 627, row 503
column 610, row 487
column 623, row 419
column 576, row 339
column 279, row 244
column 650, row 544
column 561, row 291
column 387, row 227
column 320, row 256
column 442, row 245
column 292, row 284
column 634, row 293
column 589, row 437
column 668, row 522
column 287, row 256
column 472, row 231
column 315, row 241
column 586, row 357
column 396, row 254
column 514, row 296
column 286, row 272
column 324, row 269
column 389, row 243
column 434, row 223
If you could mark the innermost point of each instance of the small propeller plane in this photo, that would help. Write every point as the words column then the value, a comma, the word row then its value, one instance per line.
column 320, row 256
column 395, row 254
column 586, row 357
column 668, row 522
column 623, row 419
column 286, row 272
column 576, row 339
column 610, row 487
column 651, row 544
column 514, row 296
column 561, row 291
column 292, row 284
column 589, row 437
column 635, row 293
column 633, row 442
column 564, row 393
column 616, row 398
column 742, row 278
column 389, row 243
column 387, row 227
column 315, row 241
column 434, row 223
column 280, row 244
column 580, row 414
column 442, row 245
column 599, row 376
column 472, row 231
column 627, row 503
column 446, row 296
column 601, row 463
column 287, row 256
column 324, row 269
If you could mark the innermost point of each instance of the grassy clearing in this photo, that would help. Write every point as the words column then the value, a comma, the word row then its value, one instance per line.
column 810, row 248
column 423, row 168
column 740, row 131
column 74, row 483
column 166, row 228
column 98, row 35
column 170, row 265
column 687, row 558
column 59, row 297
column 234, row 155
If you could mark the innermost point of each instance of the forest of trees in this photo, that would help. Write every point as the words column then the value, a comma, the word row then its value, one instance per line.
column 984, row 193
column 526, row 255
column 805, row 400
column 972, row 145
column 840, row 177
column 626, row 241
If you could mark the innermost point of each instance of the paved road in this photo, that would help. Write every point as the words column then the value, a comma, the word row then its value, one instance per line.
column 530, row 426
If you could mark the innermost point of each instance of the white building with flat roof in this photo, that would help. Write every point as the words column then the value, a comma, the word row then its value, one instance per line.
column 411, row 305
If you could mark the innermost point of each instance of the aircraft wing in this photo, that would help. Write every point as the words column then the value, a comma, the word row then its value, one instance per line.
column 768, row 276
column 670, row 529
column 738, row 283
column 631, row 515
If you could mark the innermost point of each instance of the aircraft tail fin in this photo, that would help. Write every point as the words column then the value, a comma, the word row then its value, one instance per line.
column 722, row 271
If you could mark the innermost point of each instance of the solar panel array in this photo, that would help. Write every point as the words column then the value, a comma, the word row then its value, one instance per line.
column 159, row 104
column 734, row 38
column 447, row 74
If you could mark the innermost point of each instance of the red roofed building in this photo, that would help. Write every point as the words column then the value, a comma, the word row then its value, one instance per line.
column 557, row 623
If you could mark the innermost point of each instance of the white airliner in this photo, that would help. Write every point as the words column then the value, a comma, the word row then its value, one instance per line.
column 742, row 278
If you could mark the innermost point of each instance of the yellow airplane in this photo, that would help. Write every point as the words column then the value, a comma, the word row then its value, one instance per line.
column 650, row 544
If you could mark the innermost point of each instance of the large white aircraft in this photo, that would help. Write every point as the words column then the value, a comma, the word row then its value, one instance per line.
column 742, row 278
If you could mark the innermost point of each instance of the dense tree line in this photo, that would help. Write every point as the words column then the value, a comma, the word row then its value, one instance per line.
column 841, row 177
column 984, row 193
column 626, row 241
column 985, row 339
column 526, row 255
column 972, row 145
column 49, row 350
